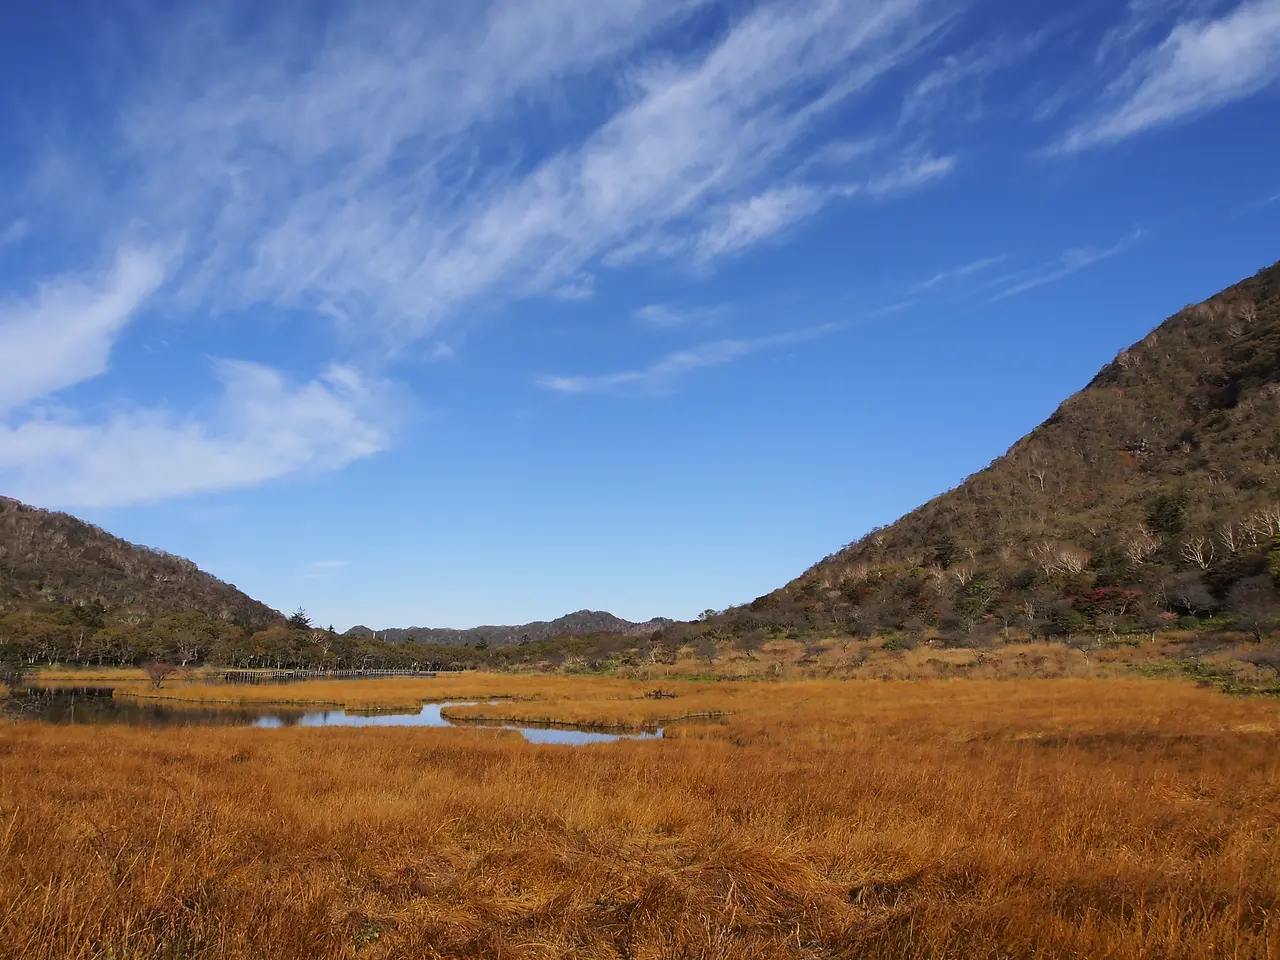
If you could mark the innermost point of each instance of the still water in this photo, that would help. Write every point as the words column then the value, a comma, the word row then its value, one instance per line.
column 90, row 705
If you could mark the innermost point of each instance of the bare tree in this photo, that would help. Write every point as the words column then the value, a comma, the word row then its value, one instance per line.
column 937, row 579
column 1267, row 520
column 1082, row 644
column 1230, row 537
column 158, row 672
column 1198, row 551
column 188, row 647
column 962, row 573
column 1141, row 545
column 706, row 649
column 13, row 676
column 1045, row 556
column 856, row 573
column 1267, row 659
column 812, row 652
column 1108, row 621
column 1073, row 559
column 1060, row 557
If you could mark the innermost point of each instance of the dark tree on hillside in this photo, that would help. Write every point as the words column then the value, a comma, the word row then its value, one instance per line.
column 1188, row 593
column 298, row 620
column 750, row 642
column 1253, row 605
column 707, row 650
column 1167, row 515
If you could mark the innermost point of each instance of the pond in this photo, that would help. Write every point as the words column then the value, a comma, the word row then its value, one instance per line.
column 97, row 706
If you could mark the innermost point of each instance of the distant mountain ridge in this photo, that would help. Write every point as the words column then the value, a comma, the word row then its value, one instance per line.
column 572, row 624
column 51, row 557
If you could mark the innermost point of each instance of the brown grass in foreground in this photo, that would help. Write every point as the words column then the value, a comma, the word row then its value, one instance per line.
column 939, row 819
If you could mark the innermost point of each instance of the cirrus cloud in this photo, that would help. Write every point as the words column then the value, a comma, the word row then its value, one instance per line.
column 1202, row 64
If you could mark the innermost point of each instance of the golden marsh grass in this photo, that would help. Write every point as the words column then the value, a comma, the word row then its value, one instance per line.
column 821, row 819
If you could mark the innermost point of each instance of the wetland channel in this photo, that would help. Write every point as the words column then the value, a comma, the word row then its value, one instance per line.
column 98, row 706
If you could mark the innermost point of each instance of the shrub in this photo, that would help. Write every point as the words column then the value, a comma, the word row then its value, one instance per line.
column 158, row 673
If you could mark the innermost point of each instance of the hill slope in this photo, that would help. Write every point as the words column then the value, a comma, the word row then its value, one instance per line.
column 577, row 624
column 53, row 558
column 1150, row 494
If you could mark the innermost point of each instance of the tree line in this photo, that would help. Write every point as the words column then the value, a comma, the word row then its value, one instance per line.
column 86, row 635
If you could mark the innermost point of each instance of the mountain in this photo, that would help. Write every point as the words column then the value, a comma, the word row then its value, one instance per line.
column 53, row 558
column 1151, row 494
column 570, row 625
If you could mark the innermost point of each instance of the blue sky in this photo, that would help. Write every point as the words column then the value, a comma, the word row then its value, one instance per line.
column 436, row 313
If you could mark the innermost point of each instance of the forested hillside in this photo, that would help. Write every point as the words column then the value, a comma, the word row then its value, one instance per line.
column 72, row 593
column 53, row 558
column 1149, row 498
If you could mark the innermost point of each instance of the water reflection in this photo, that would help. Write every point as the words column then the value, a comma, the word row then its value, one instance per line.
column 96, row 706
column 430, row 716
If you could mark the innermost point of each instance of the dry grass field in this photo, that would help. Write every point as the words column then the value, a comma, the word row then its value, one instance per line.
column 995, row 819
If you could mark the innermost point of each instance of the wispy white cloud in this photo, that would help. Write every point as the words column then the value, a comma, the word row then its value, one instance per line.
column 265, row 427
column 664, row 372
column 63, row 334
column 912, row 174
column 353, row 180
column 739, row 225
column 1144, row 19
column 441, row 351
column 960, row 272
column 746, row 223
column 329, row 564
column 666, row 317
column 1202, row 64
column 957, row 84
column 1140, row 17
column 399, row 164
column 579, row 288
column 842, row 154
column 1072, row 261
column 15, row 232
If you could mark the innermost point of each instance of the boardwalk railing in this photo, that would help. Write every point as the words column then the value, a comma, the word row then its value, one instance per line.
column 293, row 676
